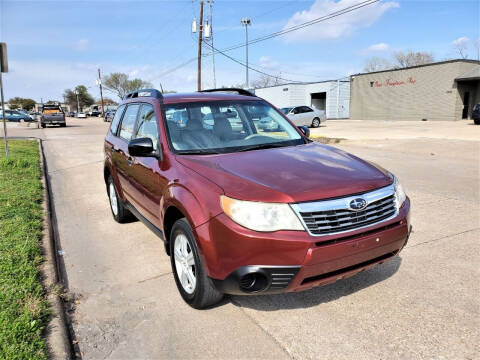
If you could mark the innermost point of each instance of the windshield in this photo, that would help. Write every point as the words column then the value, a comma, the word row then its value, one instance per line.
column 286, row 110
column 227, row 126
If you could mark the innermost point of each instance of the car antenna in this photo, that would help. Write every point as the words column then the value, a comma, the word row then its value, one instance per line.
column 161, row 87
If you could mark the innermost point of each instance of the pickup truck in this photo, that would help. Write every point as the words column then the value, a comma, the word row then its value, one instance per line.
column 52, row 114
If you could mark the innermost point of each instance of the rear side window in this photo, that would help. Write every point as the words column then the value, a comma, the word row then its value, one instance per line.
column 116, row 119
column 128, row 122
column 147, row 125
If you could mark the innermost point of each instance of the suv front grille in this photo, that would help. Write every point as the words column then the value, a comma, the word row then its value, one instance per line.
column 335, row 216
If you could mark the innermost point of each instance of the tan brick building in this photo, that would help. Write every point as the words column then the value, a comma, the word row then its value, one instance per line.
column 446, row 90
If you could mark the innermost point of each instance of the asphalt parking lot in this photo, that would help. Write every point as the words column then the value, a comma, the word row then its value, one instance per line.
column 422, row 304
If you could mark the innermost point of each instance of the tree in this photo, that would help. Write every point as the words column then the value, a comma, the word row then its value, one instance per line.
column 106, row 101
column 412, row 58
column 376, row 63
column 121, row 85
column 460, row 46
column 21, row 103
column 84, row 98
column 265, row 81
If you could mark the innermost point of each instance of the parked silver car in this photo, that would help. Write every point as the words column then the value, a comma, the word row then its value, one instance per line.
column 305, row 115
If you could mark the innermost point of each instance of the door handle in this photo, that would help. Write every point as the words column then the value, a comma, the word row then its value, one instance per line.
column 129, row 160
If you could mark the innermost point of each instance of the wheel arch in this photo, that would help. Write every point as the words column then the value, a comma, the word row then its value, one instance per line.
column 172, row 214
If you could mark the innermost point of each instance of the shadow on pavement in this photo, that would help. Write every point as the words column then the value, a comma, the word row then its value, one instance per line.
column 322, row 294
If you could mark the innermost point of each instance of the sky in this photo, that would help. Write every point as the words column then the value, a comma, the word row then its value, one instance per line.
column 56, row 45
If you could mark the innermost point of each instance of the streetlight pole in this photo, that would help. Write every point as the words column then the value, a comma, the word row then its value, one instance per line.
column 3, row 117
column 246, row 22
column 3, row 69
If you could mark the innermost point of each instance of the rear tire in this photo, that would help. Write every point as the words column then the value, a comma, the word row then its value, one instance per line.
column 119, row 212
column 63, row 125
column 193, row 283
column 43, row 125
column 476, row 121
column 316, row 122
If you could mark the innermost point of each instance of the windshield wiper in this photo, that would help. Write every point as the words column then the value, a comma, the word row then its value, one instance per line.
column 197, row 152
column 262, row 146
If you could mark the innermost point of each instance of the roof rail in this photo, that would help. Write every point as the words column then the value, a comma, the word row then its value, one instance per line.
column 237, row 90
column 144, row 93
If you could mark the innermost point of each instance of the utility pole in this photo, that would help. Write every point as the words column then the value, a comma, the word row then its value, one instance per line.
column 200, row 39
column 78, row 104
column 246, row 22
column 210, row 2
column 101, row 92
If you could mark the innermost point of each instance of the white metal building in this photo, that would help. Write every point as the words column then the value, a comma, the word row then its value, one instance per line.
column 331, row 96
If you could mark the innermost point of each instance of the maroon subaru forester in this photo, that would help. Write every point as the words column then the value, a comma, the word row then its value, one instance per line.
column 244, row 201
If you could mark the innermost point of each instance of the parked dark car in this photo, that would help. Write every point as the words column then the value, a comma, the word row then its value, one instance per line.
column 476, row 114
column 247, row 212
column 17, row 116
column 52, row 114
column 109, row 114
column 95, row 113
column 72, row 114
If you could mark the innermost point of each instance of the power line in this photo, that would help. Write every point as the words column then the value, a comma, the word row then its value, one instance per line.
column 306, row 24
column 249, row 67
column 282, row 32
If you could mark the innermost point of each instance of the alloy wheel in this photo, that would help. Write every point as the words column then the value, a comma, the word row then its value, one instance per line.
column 185, row 264
column 113, row 198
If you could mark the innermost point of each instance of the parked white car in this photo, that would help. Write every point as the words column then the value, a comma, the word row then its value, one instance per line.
column 81, row 115
column 305, row 115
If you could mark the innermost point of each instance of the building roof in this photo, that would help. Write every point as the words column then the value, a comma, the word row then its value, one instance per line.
column 304, row 83
column 418, row 66
column 473, row 74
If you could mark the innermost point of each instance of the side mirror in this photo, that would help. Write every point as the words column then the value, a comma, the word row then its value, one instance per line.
column 141, row 147
column 305, row 130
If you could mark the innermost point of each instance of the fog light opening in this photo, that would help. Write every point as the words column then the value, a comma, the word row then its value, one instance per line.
column 253, row 282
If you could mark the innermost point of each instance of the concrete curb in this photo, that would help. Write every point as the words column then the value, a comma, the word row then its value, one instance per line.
column 58, row 341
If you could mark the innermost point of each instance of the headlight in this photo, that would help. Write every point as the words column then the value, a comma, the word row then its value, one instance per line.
column 261, row 216
column 400, row 195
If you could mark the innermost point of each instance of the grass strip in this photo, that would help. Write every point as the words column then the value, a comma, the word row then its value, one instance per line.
column 23, row 305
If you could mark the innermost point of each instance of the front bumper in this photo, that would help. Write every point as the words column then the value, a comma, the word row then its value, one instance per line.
column 241, row 261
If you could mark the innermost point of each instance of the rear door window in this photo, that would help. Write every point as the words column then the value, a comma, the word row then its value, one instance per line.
column 128, row 123
column 116, row 120
column 306, row 109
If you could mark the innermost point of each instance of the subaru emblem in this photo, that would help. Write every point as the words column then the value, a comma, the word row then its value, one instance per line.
column 358, row 204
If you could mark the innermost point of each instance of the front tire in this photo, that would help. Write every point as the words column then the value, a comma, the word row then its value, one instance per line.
column 192, row 281
column 44, row 125
column 476, row 121
column 316, row 122
column 119, row 212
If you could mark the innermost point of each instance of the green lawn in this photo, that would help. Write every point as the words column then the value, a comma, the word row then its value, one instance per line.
column 23, row 306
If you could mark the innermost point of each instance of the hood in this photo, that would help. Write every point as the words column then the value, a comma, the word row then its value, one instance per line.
column 290, row 174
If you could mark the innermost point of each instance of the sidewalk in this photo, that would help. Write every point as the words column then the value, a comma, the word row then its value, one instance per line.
column 379, row 130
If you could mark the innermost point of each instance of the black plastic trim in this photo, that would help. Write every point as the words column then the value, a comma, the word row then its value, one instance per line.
column 140, row 217
column 152, row 93
column 279, row 278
